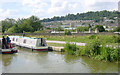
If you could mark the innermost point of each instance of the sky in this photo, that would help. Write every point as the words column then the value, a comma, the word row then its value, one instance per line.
column 49, row 8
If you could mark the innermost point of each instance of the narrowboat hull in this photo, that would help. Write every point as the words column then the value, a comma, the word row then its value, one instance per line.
column 8, row 51
column 36, row 48
column 40, row 48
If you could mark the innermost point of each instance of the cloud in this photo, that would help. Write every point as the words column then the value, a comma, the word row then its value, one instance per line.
column 105, row 6
column 4, row 1
column 38, row 7
column 34, row 3
column 59, row 8
column 50, row 8
column 8, row 13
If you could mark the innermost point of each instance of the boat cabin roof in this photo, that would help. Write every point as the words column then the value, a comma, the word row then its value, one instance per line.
column 25, row 37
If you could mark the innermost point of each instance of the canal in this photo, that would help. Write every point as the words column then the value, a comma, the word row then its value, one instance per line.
column 27, row 61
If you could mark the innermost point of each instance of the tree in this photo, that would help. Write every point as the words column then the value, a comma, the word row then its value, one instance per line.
column 35, row 23
column 25, row 27
column 82, row 29
column 7, row 23
column 100, row 28
column 97, row 16
column 89, row 26
column 59, row 28
column 31, row 24
column 117, row 29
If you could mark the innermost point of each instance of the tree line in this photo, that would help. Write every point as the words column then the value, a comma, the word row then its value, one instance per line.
column 30, row 24
column 33, row 23
column 96, row 16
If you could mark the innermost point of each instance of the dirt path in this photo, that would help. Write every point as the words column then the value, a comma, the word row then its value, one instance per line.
column 63, row 42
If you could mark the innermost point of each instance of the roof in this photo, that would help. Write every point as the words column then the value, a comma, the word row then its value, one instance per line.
column 24, row 37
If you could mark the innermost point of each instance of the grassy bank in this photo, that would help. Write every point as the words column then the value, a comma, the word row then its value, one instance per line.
column 94, row 50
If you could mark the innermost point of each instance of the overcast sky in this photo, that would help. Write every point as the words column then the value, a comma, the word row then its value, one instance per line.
column 49, row 8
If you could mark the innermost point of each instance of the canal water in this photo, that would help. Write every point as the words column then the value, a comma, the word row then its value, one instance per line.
column 27, row 61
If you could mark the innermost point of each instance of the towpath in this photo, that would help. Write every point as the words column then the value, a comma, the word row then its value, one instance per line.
column 77, row 43
column 63, row 42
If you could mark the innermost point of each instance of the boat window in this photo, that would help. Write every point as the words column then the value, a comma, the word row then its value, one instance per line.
column 13, row 39
column 24, row 41
column 43, row 42
column 39, row 44
column 16, row 40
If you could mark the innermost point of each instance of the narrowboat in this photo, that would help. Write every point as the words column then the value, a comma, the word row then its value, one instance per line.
column 9, row 51
column 38, row 44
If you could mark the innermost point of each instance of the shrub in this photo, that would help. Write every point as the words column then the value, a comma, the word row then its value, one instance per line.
column 109, row 54
column 92, row 36
column 70, row 48
column 67, row 32
column 116, row 39
column 93, row 48
column 81, row 51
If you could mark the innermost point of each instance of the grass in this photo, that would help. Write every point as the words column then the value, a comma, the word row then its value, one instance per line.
column 0, row 36
column 94, row 50
column 65, row 38
column 82, row 39
column 107, row 39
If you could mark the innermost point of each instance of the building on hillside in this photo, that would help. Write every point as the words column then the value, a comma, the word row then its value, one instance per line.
column 96, row 30
column 109, row 29
column 90, row 30
column 71, row 28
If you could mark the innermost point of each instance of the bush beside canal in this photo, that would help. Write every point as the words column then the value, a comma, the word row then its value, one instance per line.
column 95, row 49
column 70, row 48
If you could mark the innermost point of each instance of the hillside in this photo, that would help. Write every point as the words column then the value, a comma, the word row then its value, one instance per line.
column 96, row 16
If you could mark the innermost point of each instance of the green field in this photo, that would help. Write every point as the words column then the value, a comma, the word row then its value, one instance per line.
column 0, row 36
column 107, row 39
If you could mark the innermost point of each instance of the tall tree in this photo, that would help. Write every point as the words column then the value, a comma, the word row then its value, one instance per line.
column 100, row 28
column 7, row 23
column 35, row 23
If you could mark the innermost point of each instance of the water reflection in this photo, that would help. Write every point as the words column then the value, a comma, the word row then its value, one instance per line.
column 71, row 58
column 27, row 61
column 94, row 66
column 7, row 59
column 97, row 66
